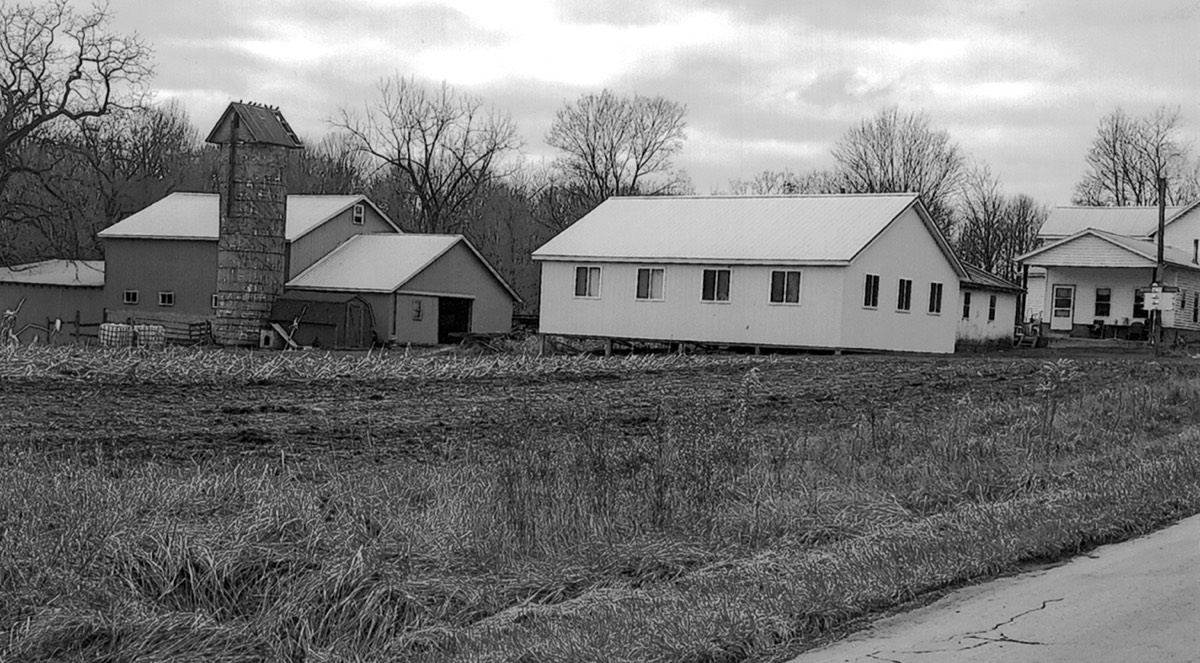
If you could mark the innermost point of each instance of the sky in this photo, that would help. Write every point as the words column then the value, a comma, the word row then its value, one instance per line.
column 768, row 84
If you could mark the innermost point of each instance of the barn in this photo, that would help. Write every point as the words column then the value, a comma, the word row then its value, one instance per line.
column 43, row 292
column 852, row 271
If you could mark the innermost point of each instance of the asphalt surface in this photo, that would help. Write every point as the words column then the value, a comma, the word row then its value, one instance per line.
column 1132, row 601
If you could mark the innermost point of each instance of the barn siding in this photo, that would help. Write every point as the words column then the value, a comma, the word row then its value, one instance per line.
column 907, row 250
column 319, row 241
column 186, row 267
column 460, row 272
column 52, row 302
column 381, row 306
column 405, row 328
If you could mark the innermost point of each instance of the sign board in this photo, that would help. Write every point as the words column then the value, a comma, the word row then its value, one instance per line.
column 1160, row 297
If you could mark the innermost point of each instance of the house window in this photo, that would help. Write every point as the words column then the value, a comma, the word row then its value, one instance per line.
column 716, row 285
column 587, row 282
column 785, row 287
column 214, row 301
column 935, row 298
column 1139, row 308
column 358, row 214
column 1196, row 250
column 650, row 283
column 129, row 297
column 418, row 310
column 1195, row 308
column 966, row 305
column 871, row 291
column 1103, row 302
column 904, row 295
column 166, row 298
column 991, row 308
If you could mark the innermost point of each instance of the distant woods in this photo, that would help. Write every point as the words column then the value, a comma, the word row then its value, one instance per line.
column 82, row 146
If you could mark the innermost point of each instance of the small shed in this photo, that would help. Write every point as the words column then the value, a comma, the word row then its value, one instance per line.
column 989, row 310
column 66, row 290
column 348, row 323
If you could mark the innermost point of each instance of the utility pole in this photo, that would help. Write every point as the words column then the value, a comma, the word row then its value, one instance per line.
column 1160, row 268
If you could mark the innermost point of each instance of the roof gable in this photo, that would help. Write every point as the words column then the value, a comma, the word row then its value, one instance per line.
column 1097, row 248
column 253, row 123
column 1128, row 221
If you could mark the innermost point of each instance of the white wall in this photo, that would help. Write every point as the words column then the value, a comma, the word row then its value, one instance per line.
column 1182, row 232
column 976, row 326
column 1122, row 282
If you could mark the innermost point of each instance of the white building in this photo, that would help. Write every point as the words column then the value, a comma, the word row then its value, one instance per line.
column 988, row 306
column 862, row 272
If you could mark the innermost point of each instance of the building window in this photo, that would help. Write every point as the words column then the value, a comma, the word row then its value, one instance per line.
column 871, row 291
column 587, row 282
column 166, row 298
column 1196, row 250
column 129, row 297
column 904, row 295
column 1103, row 302
column 716, row 285
column 935, row 298
column 650, row 283
column 966, row 305
column 418, row 310
column 1139, row 305
column 991, row 308
column 214, row 301
column 1195, row 308
column 785, row 287
column 358, row 214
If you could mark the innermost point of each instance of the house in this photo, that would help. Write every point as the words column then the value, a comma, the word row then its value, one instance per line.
column 861, row 272
column 419, row 289
column 1095, row 264
column 989, row 309
column 49, row 291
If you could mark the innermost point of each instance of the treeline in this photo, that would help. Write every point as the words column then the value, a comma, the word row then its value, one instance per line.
column 82, row 146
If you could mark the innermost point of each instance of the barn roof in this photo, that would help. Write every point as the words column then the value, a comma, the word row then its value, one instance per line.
column 1129, row 221
column 1139, row 251
column 816, row 229
column 256, row 123
column 198, row 216
column 382, row 263
column 982, row 279
column 79, row 273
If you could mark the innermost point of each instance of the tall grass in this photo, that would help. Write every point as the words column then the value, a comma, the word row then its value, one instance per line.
column 704, row 539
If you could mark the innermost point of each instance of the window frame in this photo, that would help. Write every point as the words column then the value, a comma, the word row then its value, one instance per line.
column 662, row 285
column 904, row 295
column 1107, row 303
column 599, row 278
column 128, row 300
column 716, row 285
column 1139, row 302
column 992, row 300
column 786, row 277
column 871, row 292
column 966, row 312
column 214, row 300
column 936, row 290
column 358, row 214
column 166, row 298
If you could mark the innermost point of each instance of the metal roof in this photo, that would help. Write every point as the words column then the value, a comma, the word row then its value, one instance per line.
column 79, row 273
column 1129, row 221
column 1142, row 248
column 985, row 280
column 382, row 263
column 256, row 124
column 198, row 216
column 759, row 229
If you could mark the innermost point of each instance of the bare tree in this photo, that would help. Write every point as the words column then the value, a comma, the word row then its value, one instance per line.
column 441, row 146
column 785, row 182
column 1127, row 157
column 900, row 152
column 332, row 165
column 993, row 229
column 61, row 65
column 619, row 146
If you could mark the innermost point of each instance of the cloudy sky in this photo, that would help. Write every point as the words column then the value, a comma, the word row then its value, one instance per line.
column 769, row 84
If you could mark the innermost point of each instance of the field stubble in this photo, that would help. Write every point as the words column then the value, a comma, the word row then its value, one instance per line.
column 243, row 506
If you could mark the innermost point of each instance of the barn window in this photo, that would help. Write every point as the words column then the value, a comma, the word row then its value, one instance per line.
column 966, row 305
column 1103, row 302
column 650, row 283
column 129, row 297
column 935, row 298
column 359, row 213
column 214, row 301
column 716, row 285
column 166, row 298
column 785, row 287
column 587, row 282
column 992, row 308
column 418, row 311
column 904, row 295
column 871, row 291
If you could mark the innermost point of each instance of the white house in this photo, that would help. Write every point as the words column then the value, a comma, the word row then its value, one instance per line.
column 1095, row 263
column 988, row 305
column 862, row 272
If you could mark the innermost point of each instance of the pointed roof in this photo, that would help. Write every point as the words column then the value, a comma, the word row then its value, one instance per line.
column 1128, row 221
column 796, row 229
column 982, row 279
column 198, row 216
column 253, row 123
column 1138, row 251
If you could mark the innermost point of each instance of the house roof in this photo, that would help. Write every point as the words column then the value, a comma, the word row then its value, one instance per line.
column 256, row 123
column 1146, row 250
column 382, row 263
column 79, row 273
column 982, row 279
column 1129, row 221
column 807, row 229
column 198, row 216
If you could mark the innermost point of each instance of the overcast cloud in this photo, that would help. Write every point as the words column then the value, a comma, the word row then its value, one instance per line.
column 768, row 84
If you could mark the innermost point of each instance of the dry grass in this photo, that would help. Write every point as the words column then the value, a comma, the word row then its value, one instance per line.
column 705, row 537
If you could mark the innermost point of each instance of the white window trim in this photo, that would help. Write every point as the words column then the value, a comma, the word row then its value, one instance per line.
column 599, row 281
column 941, row 299
column 358, row 215
column 215, row 300
column 799, row 293
column 910, row 288
column 716, row 301
column 878, row 282
column 664, row 285
column 126, row 300
column 163, row 295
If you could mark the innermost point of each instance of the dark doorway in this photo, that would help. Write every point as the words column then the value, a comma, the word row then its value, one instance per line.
column 358, row 324
column 454, row 319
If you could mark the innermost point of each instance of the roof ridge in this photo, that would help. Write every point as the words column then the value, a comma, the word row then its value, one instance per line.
column 785, row 196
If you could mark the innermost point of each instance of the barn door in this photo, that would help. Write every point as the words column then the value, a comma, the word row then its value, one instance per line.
column 358, row 324
column 1062, row 314
column 454, row 319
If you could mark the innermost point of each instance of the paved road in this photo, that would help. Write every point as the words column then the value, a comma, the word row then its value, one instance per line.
column 1133, row 601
